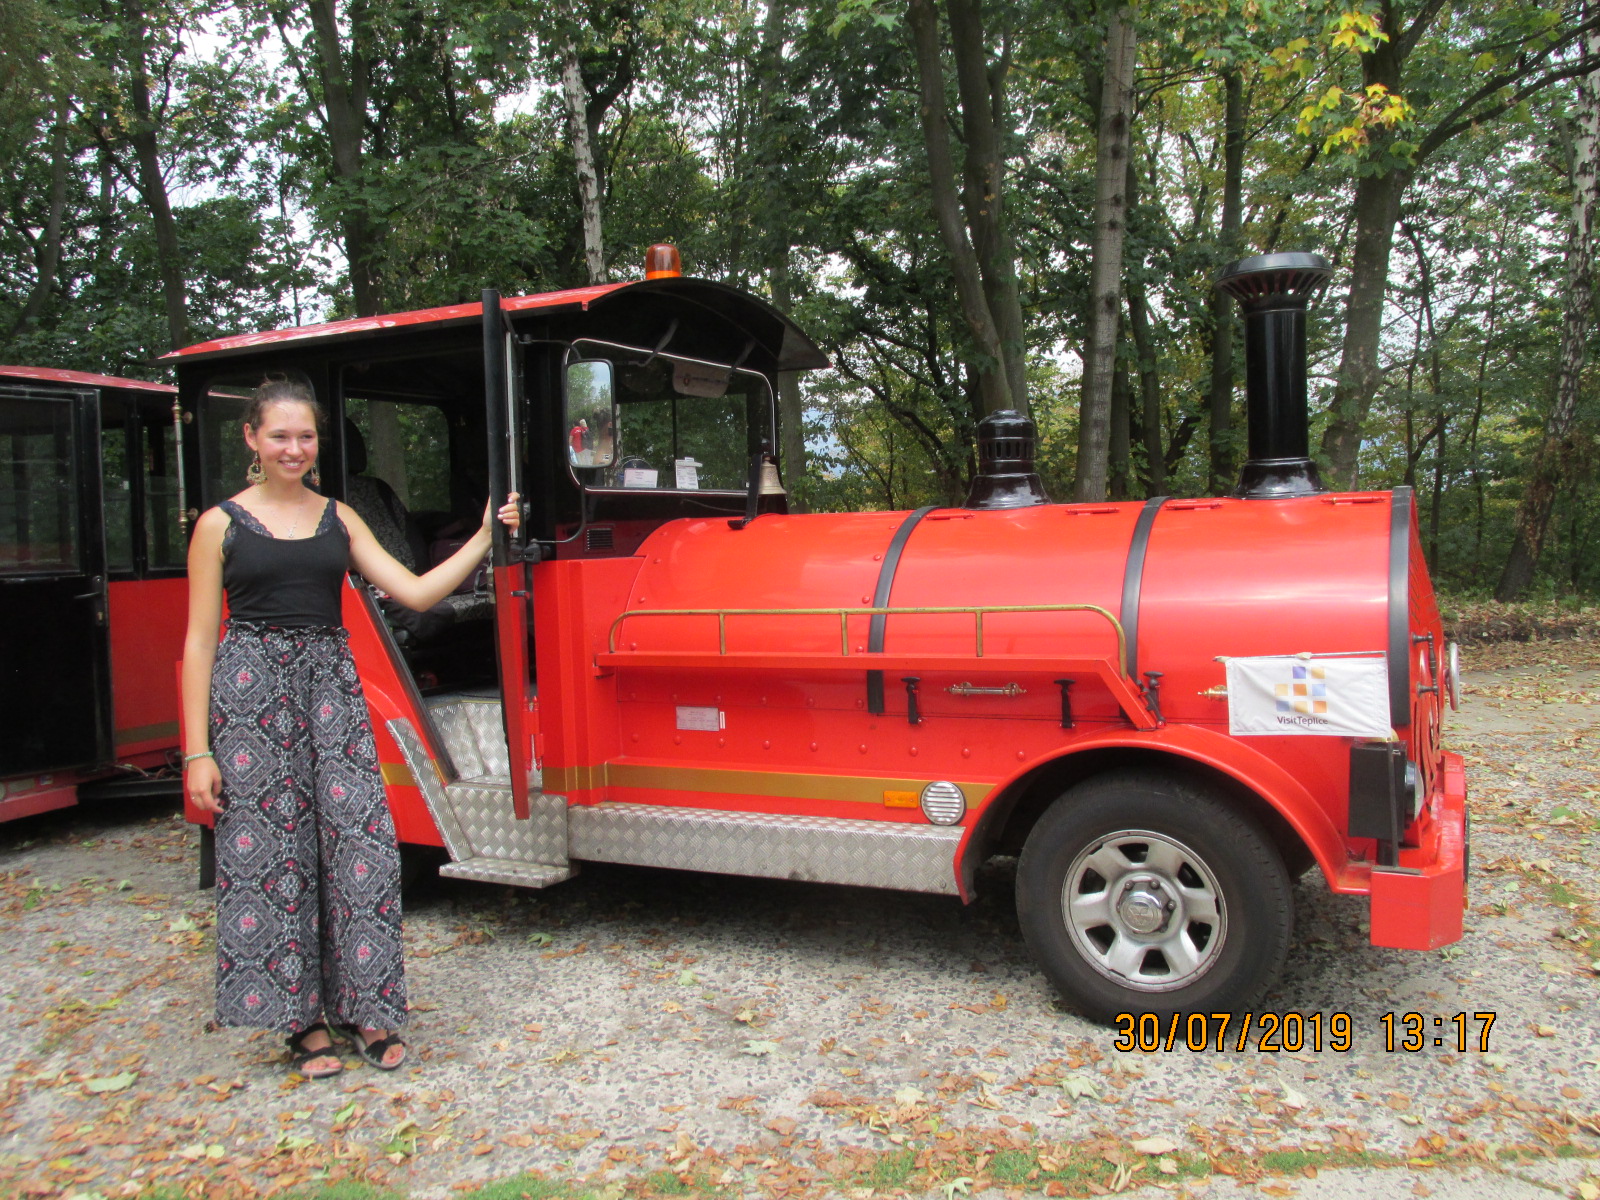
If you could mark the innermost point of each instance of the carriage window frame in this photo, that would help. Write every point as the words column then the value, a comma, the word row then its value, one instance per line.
column 577, row 353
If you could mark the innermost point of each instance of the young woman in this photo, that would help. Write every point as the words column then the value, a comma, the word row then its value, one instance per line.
column 278, row 744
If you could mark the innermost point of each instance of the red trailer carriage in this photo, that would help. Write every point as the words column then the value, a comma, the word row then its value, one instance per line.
column 92, row 595
column 668, row 669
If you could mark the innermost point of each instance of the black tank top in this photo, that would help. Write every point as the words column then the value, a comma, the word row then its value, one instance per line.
column 284, row 581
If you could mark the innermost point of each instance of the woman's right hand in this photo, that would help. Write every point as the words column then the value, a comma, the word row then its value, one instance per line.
column 202, row 783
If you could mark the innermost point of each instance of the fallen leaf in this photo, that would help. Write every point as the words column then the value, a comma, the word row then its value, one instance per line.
column 111, row 1083
column 1166, row 1166
column 1154, row 1145
column 1078, row 1086
column 782, row 1126
column 758, row 1048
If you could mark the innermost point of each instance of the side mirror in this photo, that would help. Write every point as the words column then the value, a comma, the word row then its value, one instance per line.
column 591, row 415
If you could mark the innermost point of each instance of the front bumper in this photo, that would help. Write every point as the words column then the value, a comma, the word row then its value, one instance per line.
column 1420, row 903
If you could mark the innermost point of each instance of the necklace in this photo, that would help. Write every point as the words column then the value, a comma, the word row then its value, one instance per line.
column 295, row 524
column 299, row 511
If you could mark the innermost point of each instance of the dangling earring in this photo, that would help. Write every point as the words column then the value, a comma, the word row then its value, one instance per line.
column 253, row 473
column 313, row 478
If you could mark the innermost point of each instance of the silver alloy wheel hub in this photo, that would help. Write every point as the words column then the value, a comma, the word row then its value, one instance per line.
column 1144, row 910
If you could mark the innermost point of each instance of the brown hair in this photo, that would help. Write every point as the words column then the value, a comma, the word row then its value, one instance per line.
column 279, row 389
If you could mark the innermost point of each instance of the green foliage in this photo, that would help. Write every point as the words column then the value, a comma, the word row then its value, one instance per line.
column 780, row 146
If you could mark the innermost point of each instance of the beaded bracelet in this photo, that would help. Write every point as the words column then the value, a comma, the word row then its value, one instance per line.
column 189, row 758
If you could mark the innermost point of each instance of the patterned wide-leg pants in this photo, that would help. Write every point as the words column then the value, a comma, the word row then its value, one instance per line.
column 308, row 873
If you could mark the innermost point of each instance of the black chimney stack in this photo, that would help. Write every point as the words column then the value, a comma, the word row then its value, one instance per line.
column 1272, row 290
column 1006, row 478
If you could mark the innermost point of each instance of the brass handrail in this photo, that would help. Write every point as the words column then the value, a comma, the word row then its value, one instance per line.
column 977, row 612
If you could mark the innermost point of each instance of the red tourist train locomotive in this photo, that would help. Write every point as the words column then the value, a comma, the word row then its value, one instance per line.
column 92, row 596
column 1168, row 709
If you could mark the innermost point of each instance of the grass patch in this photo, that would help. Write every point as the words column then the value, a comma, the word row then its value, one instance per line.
column 890, row 1171
column 344, row 1189
column 1294, row 1162
column 667, row 1183
column 1534, row 1153
column 522, row 1187
column 1012, row 1166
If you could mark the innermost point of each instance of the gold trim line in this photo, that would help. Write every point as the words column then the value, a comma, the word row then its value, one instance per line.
column 854, row 789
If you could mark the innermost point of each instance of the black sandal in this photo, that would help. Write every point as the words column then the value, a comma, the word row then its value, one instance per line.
column 300, row 1055
column 374, row 1050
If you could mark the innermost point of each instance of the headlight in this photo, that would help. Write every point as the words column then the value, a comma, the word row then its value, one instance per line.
column 1452, row 674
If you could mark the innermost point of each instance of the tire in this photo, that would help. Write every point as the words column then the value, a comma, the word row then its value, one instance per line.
column 1206, row 908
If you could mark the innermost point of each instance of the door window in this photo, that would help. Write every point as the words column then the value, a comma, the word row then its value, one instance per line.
column 165, row 546
column 38, row 487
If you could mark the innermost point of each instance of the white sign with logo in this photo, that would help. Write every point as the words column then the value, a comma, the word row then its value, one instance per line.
column 1326, row 697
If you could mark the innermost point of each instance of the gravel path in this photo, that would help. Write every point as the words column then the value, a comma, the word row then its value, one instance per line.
column 662, row 1032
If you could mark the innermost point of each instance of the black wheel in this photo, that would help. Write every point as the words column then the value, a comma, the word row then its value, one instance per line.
column 1139, row 892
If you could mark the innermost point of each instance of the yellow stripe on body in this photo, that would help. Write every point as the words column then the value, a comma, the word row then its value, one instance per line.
column 854, row 789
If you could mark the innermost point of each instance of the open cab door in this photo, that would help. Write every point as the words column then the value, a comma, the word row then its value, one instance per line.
column 513, row 583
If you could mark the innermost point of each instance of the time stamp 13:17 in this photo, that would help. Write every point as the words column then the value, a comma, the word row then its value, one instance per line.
column 1292, row 1032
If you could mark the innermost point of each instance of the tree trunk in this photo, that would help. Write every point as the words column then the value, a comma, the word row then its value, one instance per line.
column 47, row 255
column 791, row 405
column 1105, row 288
column 577, row 102
column 1377, row 211
column 993, row 382
column 982, row 93
column 1223, row 320
column 344, row 103
column 1155, row 479
column 1554, row 458
column 152, row 183
column 1119, row 479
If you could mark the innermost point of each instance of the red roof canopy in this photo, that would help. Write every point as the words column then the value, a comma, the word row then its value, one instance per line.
column 450, row 314
column 85, row 379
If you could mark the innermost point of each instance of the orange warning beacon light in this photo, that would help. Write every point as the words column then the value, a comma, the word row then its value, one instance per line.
column 661, row 261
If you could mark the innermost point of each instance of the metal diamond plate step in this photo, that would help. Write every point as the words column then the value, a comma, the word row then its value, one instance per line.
column 507, row 871
column 483, row 813
column 479, row 826
column 903, row 855
column 474, row 737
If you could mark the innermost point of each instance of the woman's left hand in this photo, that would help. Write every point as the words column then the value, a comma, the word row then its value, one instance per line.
column 510, row 513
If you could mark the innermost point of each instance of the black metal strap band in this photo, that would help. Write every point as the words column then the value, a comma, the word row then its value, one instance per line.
column 880, row 599
column 1133, row 580
column 1399, row 656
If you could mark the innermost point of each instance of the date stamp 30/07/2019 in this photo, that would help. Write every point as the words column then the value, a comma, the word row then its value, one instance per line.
column 1293, row 1032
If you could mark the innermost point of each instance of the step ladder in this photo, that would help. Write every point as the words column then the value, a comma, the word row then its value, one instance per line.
column 469, row 796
